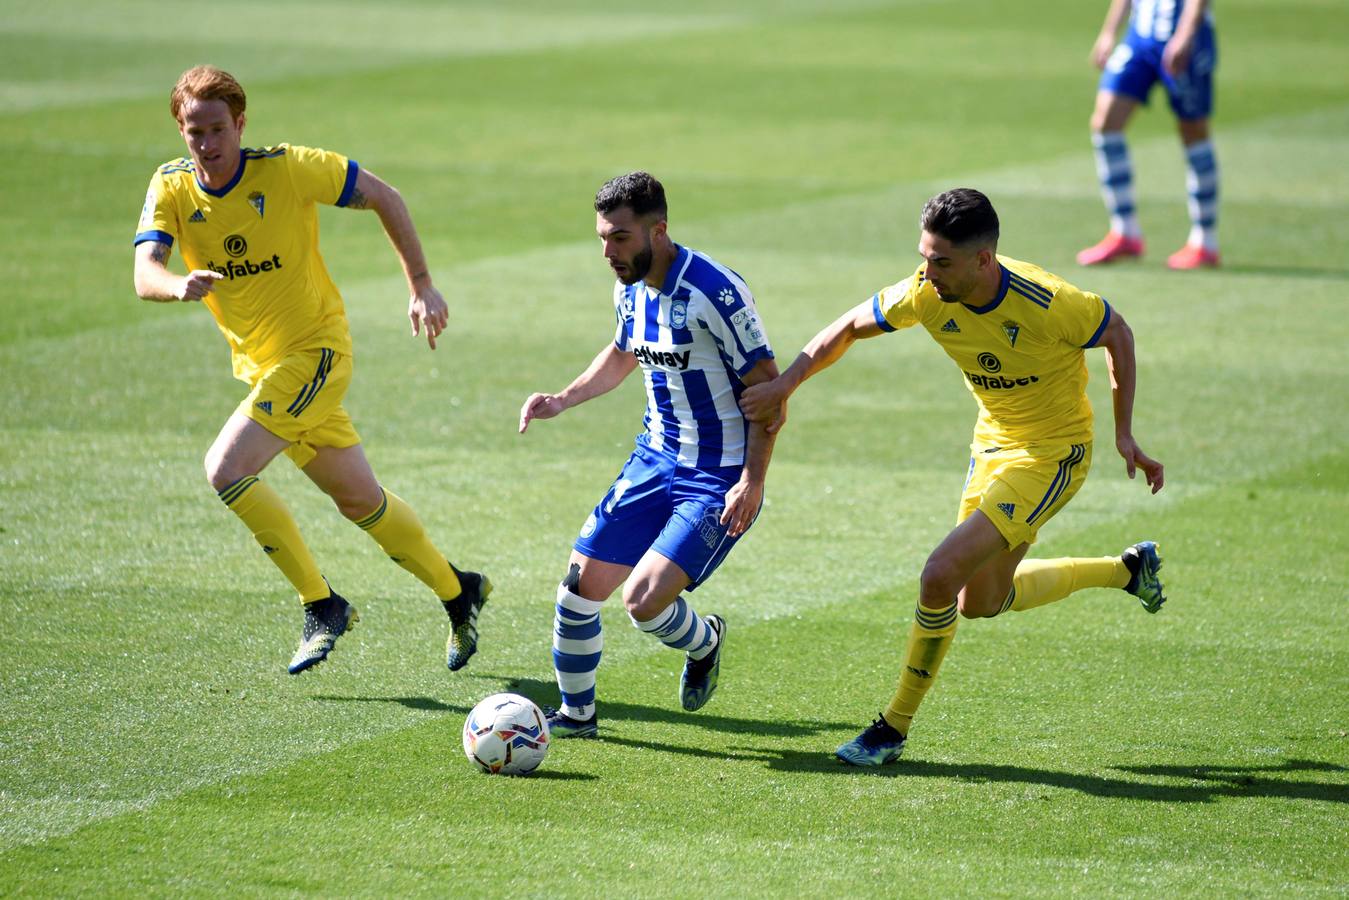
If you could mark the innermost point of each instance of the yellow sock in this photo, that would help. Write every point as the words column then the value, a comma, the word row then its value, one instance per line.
column 396, row 528
column 1041, row 581
column 266, row 515
column 929, row 638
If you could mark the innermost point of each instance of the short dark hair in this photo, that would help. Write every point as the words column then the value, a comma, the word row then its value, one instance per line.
column 962, row 216
column 638, row 191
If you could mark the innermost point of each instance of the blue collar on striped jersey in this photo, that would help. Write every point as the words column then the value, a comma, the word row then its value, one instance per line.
column 1002, row 292
column 229, row 186
column 676, row 269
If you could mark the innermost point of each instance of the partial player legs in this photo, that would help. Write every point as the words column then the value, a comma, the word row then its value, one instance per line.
column 1201, row 188
column 655, row 606
column 241, row 450
column 578, row 642
column 1114, row 170
column 344, row 474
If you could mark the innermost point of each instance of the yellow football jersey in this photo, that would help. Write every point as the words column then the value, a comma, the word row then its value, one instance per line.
column 260, row 232
column 1022, row 352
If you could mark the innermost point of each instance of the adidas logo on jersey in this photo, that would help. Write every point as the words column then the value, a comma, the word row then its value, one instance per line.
column 196, row 217
column 950, row 327
column 265, row 406
column 1008, row 510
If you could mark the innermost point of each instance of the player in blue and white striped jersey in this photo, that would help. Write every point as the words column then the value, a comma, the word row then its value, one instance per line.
column 1171, row 41
column 695, row 481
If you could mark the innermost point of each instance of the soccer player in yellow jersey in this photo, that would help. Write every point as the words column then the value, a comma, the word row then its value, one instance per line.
column 1018, row 334
column 246, row 224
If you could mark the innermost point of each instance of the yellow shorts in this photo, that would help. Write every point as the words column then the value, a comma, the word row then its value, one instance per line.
column 300, row 400
column 1020, row 490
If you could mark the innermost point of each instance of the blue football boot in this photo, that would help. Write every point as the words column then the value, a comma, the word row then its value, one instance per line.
column 561, row 725
column 878, row 745
column 698, row 682
column 1144, row 562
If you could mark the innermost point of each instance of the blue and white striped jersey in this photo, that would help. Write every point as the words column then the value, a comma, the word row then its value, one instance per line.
column 693, row 338
column 1156, row 19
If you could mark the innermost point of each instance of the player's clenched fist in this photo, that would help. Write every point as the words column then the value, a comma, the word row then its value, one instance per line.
column 197, row 284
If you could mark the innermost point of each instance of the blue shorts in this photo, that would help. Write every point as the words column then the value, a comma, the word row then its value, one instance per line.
column 1136, row 65
column 658, row 504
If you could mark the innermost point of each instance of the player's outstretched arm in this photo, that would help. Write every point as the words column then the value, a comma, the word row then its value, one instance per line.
column 426, row 308
column 154, row 281
column 605, row 372
column 766, row 403
column 746, row 495
column 1118, row 341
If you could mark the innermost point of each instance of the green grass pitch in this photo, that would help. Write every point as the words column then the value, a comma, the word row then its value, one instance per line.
column 151, row 742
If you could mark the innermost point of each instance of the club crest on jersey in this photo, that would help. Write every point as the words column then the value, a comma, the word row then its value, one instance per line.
column 679, row 313
column 1011, row 329
column 258, row 201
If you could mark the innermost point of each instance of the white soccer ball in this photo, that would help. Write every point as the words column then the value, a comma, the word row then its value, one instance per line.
column 506, row 734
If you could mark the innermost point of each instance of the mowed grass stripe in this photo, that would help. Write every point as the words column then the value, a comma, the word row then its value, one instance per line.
column 432, row 783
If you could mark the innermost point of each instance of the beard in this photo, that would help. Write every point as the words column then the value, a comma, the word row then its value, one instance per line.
column 638, row 266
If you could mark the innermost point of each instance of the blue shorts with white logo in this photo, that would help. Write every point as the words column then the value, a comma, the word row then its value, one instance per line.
column 658, row 504
column 1136, row 65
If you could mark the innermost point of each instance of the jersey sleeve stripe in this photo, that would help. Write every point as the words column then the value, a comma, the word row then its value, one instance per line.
column 162, row 237
column 349, row 186
column 1100, row 329
column 880, row 316
column 752, row 358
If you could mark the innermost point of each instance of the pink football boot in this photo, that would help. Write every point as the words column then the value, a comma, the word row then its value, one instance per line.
column 1193, row 256
column 1112, row 247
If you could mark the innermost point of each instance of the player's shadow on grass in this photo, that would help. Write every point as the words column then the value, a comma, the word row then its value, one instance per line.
column 424, row 703
column 1204, row 783
column 546, row 692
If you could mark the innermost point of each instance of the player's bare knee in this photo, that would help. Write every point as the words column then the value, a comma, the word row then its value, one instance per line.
column 976, row 607
column 220, row 472
column 938, row 583
column 643, row 603
column 356, row 504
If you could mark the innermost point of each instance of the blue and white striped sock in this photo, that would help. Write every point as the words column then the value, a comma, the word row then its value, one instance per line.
column 679, row 627
column 577, row 645
column 1115, row 171
column 1201, row 183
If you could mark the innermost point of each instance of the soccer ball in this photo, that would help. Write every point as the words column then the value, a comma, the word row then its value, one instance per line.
column 506, row 734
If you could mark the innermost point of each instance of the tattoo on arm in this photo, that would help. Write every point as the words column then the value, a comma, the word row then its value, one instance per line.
column 159, row 253
column 358, row 199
